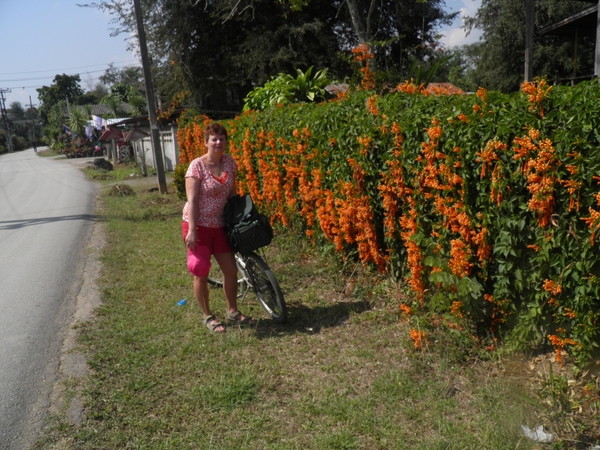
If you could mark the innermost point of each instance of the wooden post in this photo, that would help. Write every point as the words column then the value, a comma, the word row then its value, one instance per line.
column 112, row 151
column 154, row 132
column 529, row 30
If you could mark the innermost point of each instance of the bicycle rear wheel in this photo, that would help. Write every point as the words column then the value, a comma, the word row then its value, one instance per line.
column 265, row 287
column 215, row 276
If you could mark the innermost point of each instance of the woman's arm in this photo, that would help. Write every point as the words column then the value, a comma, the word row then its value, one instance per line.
column 192, row 191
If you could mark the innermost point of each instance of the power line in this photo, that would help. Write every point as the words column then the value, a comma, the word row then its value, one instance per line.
column 50, row 76
column 92, row 79
column 41, row 78
column 58, row 70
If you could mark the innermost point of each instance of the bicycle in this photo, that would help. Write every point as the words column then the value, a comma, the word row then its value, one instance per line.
column 253, row 272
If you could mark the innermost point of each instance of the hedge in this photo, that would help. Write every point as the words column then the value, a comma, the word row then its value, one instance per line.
column 487, row 204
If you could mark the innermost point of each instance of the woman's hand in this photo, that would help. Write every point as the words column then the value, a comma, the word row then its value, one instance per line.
column 190, row 239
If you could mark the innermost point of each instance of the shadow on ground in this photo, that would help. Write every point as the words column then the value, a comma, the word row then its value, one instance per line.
column 312, row 320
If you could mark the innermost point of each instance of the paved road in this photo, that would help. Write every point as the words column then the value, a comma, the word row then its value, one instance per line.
column 46, row 219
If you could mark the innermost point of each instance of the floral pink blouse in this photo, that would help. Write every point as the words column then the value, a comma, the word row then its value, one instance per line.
column 213, row 192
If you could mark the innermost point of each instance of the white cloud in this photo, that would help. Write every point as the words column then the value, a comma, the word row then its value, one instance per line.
column 455, row 35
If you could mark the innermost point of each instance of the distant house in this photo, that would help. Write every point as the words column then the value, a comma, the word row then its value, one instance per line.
column 136, row 133
column 584, row 23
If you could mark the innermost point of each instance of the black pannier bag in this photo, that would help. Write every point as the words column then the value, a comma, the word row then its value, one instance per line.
column 247, row 229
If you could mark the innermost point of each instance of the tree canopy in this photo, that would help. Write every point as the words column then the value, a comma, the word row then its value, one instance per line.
column 222, row 48
column 63, row 88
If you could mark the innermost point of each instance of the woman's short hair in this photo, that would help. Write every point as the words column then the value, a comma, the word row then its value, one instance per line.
column 216, row 129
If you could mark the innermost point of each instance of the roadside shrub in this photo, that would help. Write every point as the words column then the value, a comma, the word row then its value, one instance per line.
column 179, row 179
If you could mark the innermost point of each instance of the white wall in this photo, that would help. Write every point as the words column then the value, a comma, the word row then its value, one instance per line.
column 169, row 148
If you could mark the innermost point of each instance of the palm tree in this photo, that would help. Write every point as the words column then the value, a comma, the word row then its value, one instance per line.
column 114, row 105
column 77, row 121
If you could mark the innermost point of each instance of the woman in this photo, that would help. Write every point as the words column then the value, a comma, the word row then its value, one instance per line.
column 209, row 182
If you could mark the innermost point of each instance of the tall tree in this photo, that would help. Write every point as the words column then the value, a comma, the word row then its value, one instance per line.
column 222, row 48
column 63, row 88
column 399, row 33
column 16, row 111
column 499, row 56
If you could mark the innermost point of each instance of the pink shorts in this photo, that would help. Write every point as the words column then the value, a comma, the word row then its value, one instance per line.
column 209, row 241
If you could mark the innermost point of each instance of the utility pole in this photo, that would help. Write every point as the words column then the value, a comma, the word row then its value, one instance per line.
column 529, row 33
column 5, row 119
column 154, row 133
column 32, row 124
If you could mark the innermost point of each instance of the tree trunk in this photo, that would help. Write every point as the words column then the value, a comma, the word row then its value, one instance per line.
column 357, row 22
column 363, row 30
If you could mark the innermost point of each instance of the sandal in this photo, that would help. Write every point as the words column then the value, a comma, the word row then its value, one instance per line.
column 236, row 317
column 212, row 324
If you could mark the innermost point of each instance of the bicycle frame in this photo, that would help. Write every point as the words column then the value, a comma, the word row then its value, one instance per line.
column 245, row 283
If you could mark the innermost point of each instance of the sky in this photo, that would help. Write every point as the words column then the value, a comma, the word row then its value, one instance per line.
column 42, row 38
column 455, row 35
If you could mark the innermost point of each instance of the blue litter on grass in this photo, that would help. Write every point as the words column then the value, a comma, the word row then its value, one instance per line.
column 181, row 302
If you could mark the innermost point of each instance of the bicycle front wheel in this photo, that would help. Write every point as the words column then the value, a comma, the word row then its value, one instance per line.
column 265, row 287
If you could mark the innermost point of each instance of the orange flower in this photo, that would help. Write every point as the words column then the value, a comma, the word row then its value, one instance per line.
column 552, row 287
column 460, row 254
column 559, row 343
column 482, row 94
column 418, row 337
column 372, row 105
column 536, row 92
column 365, row 144
column 488, row 155
column 363, row 54
column 593, row 222
column 456, row 307
column 409, row 87
column 540, row 173
column 534, row 134
column 405, row 309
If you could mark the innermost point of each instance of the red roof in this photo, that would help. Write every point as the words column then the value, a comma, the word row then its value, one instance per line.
column 448, row 88
column 111, row 134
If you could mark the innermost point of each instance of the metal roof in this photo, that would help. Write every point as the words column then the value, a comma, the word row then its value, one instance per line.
column 582, row 23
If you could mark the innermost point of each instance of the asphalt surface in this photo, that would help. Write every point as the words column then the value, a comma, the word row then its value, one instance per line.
column 46, row 220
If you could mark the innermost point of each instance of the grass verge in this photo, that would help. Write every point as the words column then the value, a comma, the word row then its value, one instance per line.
column 340, row 374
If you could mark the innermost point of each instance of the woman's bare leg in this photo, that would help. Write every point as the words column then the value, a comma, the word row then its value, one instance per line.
column 227, row 264
column 201, row 294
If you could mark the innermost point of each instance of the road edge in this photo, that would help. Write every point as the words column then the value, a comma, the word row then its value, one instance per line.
column 66, row 401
